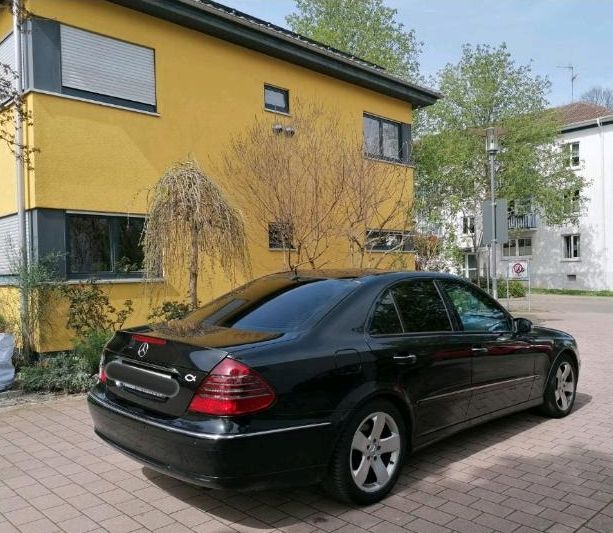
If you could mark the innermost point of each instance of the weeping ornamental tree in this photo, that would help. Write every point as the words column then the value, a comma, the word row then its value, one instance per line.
column 190, row 222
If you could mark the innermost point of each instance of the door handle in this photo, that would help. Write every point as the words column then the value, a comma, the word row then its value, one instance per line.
column 405, row 359
column 479, row 350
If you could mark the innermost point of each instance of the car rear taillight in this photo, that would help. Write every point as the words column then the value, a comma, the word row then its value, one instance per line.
column 148, row 340
column 102, row 375
column 232, row 389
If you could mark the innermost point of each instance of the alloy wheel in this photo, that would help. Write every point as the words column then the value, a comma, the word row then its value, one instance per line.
column 565, row 386
column 375, row 452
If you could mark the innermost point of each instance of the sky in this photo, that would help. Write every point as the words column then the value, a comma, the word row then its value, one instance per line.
column 544, row 33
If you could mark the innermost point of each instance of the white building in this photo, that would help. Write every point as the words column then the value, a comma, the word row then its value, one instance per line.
column 575, row 256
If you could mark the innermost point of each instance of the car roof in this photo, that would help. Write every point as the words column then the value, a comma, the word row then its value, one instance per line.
column 364, row 275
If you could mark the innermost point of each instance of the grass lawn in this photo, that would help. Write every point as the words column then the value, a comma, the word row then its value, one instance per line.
column 573, row 292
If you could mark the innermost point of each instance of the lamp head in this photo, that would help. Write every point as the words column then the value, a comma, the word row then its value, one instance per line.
column 491, row 141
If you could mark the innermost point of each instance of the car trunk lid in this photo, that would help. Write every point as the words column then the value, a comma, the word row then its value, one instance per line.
column 161, row 372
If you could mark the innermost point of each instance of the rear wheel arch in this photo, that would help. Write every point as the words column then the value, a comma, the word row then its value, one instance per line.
column 341, row 481
column 397, row 400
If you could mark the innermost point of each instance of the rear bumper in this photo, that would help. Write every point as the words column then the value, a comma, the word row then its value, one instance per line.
column 296, row 455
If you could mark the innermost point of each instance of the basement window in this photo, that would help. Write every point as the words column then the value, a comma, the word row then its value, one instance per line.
column 104, row 246
column 280, row 236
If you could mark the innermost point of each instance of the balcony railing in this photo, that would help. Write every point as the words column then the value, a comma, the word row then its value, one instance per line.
column 528, row 221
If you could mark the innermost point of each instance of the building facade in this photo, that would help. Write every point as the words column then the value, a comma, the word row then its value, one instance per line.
column 120, row 89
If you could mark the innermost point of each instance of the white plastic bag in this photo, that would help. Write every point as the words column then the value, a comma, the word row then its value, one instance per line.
column 7, row 372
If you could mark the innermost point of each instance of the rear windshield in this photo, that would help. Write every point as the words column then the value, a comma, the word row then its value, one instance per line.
column 289, row 307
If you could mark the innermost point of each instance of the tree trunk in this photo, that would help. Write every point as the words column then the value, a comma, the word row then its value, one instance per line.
column 193, row 270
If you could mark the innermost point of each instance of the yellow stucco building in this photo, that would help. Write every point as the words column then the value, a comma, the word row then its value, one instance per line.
column 120, row 89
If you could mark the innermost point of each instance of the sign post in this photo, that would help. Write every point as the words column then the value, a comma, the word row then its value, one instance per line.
column 495, row 231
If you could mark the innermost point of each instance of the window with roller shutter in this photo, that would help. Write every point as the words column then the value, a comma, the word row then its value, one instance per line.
column 94, row 65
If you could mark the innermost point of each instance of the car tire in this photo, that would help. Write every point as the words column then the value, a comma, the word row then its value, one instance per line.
column 369, row 454
column 561, row 389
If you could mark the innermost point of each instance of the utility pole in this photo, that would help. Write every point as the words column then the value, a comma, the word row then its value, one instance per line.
column 573, row 77
column 492, row 148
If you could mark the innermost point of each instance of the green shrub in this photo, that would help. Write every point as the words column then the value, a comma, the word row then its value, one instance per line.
column 172, row 310
column 89, row 309
column 88, row 348
column 63, row 372
column 516, row 289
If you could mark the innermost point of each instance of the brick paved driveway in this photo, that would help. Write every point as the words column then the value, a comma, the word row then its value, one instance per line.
column 519, row 474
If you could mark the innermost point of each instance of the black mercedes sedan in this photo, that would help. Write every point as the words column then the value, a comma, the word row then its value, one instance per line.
column 324, row 376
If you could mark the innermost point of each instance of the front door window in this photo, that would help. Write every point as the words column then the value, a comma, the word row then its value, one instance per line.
column 476, row 310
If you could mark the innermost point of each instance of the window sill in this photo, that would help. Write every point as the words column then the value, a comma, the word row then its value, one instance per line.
column 114, row 281
column 516, row 257
column 284, row 113
column 390, row 251
column 281, row 249
column 570, row 260
column 389, row 161
column 92, row 101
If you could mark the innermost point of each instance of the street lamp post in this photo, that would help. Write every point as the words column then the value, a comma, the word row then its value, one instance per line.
column 492, row 148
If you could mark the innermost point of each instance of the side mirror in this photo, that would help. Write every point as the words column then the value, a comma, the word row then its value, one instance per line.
column 522, row 325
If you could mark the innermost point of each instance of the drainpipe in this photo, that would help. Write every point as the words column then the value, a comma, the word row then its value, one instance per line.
column 19, row 160
column 604, row 193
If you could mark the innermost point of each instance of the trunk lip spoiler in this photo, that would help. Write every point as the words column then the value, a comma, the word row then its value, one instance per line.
column 209, row 436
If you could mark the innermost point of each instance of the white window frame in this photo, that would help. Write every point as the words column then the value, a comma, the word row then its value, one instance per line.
column 515, row 247
column 570, row 154
column 468, row 222
column 570, row 241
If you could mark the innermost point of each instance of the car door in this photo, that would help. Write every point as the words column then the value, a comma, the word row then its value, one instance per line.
column 502, row 363
column 413, row 338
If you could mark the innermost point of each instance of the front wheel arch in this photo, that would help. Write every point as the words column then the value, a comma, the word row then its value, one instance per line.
column 573, row 358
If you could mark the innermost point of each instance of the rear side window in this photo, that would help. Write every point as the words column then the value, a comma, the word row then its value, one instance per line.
column 477, row 311
column 385, row 319
column 421, row 307
column 294, row 307
column 419, row 304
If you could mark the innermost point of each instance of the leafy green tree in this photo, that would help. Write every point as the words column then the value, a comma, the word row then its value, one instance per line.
column 364, row 28
column 487, row 88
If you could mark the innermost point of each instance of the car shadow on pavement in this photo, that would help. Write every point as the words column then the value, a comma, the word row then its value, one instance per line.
column 464, row 462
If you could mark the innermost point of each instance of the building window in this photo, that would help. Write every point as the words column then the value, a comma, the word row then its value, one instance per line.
column 389, row 241
column 572, row 246
column 280, row 236
column 276, row 99
column 517, row 247
column 106, row 246
column 471, row 266
column 386, row 139
column 7, row 58
column 468, row 225
column 573, row 149
column 101, row 68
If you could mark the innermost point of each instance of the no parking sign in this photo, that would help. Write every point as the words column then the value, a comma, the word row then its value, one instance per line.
column 518, row 270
